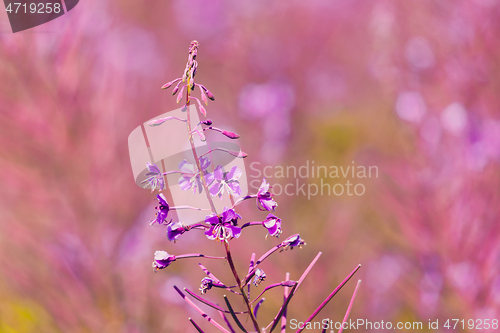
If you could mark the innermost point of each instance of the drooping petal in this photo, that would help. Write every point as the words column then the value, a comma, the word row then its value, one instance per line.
column 175, row 230
column 273, row 225
column 264, row 187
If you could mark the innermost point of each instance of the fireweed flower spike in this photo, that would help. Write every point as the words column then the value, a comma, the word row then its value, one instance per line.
column 223, row 227
column 264, row 197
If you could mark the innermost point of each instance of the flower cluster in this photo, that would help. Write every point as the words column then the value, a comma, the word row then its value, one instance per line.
column 222, row 227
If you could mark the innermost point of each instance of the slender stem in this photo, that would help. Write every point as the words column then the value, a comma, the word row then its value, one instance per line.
column 210, row 304
column 238, row 282
column 196, row 326
column 233, row 314
column 203, row 314
column 308, row 269
column 286, row 292
column 349, row 307
column 285, row 284
column 197, row 255
column 325, row 302
column 227, row 321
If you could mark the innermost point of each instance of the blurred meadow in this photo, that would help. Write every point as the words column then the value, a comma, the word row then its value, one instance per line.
column 411, row 87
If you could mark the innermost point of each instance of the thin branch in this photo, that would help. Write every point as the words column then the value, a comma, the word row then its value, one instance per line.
column 196, row 326
column 203, row 314
column 233, row 314
column 274, row 285
column 308, row 269
column 227, row 322
column 286, row 292
column 325, row 302
column 282, row 309
column 258, row 306
column 239, row 154
column 197, row 255
column 349, row 307
column 206, row 302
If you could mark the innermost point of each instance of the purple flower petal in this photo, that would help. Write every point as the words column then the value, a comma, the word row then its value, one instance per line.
column 162, row 260
column 218, row 174
column 174, row 231
column 234, row 174
column 235, row 187
column 212, row 219
column 234, row 230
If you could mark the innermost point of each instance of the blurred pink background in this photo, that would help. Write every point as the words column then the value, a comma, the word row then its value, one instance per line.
column 411, row 87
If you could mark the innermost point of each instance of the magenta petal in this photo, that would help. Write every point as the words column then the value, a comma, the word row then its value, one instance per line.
column 212, row 219
column 235, row 231
column 235, row 187
column 218, row 174
column 210, row 233
column 234, row 174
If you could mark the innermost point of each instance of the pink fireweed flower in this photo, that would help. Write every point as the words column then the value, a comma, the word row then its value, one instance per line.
column 175, row 230
column 206, row 284
column 264, row 197
column 273, row 224
column 154, row 178
column 162, row 210
column 220, row 180
column 162, row 260
column 259, row 277
column 223, row 227
column 190, row 178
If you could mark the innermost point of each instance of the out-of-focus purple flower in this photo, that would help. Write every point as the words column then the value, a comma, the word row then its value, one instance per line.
column 175, row 230
column 219, row 180
column 190, row 178
column 162, row 210
column 264, row 197
column 293, row 241
column 154, row 178
column 259, row 276
column 273, row 224
column 162, row 260
column 223, row 227
column 206, row 284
